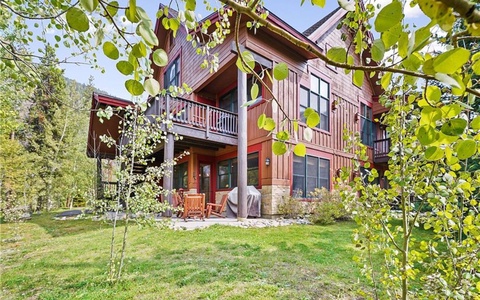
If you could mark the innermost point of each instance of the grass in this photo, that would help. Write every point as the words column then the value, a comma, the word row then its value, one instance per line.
column 48, row 259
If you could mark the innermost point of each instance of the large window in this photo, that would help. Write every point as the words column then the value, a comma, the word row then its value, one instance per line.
column 227, row 172
column 172, row 75
column 229, row 101
column 310, row 172
column 368, row 127
column 180, row 176
column 317, row 98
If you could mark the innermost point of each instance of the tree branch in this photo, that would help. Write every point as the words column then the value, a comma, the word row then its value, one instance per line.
column 20, row 14
column 465, row 9
column 316, row 51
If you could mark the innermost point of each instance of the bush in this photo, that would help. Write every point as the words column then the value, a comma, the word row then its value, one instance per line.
column 326, row 207
column 291, row 207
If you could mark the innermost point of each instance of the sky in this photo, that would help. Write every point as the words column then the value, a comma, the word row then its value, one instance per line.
column 299, row 17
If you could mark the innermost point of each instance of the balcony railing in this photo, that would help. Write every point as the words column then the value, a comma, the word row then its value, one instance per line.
column 381, row 148
column 197, row 115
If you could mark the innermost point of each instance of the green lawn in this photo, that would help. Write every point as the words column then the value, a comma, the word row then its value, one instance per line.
column 48, row 259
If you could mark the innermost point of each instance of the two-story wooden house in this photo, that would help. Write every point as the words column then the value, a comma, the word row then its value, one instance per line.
column 209, row 121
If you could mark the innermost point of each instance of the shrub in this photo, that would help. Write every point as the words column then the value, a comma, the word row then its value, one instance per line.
column 291, row 207
column 326, row 207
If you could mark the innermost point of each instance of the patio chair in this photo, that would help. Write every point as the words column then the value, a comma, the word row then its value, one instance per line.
column 193, row 206
column 217, row 209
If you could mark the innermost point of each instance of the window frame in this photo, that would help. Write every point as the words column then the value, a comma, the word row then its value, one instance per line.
column 323, row 100
column 232, row 165
column 233, row 100
column 167, row 80
column 177, row 177
column 366, row 120
column 306, row 174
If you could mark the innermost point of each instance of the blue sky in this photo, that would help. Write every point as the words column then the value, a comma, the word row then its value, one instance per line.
column 111, row 81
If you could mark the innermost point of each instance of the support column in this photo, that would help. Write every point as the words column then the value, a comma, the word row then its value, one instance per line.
column 168, row 151
column 242, row 146
column 168, row 177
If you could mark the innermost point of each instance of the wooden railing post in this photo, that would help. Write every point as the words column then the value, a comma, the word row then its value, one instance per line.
column 207, row 121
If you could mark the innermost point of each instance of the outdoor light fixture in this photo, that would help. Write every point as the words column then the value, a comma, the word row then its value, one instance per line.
column 267, row 161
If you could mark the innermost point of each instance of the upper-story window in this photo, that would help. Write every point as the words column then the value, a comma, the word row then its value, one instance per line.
column 309, row 173
column 229, row 101
column 367, row 125
column 172, row 75
column 317, row 98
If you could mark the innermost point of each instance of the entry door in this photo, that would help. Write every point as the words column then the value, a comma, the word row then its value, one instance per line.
column 205, row 182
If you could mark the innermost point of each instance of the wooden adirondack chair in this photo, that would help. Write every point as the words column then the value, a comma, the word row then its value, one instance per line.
column 217, row 209
column 194, row 206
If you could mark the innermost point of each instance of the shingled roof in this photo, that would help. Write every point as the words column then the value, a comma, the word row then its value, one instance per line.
column 315, row 26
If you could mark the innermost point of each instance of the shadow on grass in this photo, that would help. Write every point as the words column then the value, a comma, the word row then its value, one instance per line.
column 58, row 228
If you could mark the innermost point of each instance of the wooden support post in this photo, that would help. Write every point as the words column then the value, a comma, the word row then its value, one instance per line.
column 100, row 191
column 242, row 147
column 168, row 158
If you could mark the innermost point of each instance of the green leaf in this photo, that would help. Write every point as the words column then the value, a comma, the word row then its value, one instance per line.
column 77, row 19
column 300, row 150
column 434, row 153
column 450, row 61
column 295, row 126
column 190, row 4
column 313, row 119
column 89, row 5
column 279, row 148
column 378, row 50
column 466, row 149
column 283, row 135
column 125, row 67
column 269, row 124
column 308, row 134
column 448, row 80
column 403, row 43
column 430, row 115
column 347, row 5
column 476, row 67
column 152, row 87
column 249, row 60
column 358, row 77
column 110, row 50
column 385, row 80
column 147, row 34
column 454, row 127
column 391, row 36
column 160, row 57
column 112, row 8
column 475, row 124
column 261, row 121
column 280, row 71
column 134, row 87
column 320, row 3
column 337, row 54
column 412, row 62
column 139, row 50
column 308, row 111
column 389, row 16
column 426, row 135
column 254, row 90
column 433, row 94
column 131, row 11
column 451, row 110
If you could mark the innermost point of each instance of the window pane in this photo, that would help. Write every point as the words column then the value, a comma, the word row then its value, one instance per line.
column 314, row 99
column 298, row 188
column 223, row 181
column 252, row 177
column 311, row 185
column 324, row 168
column 314, row 84
column 223, row 168
column 312, row 169
column 324, row 123
column 303, row 96
column 324, row 89
column 298, row 165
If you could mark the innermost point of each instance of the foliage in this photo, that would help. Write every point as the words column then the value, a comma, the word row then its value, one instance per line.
column 326, row 207
column 138, row 193
column 291, row 207
column 309, row 262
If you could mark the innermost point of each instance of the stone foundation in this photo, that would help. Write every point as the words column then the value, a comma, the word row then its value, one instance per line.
column 271, row 197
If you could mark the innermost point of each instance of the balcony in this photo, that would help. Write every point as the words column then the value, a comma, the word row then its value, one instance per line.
column 381, row 148
column 198, row 120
